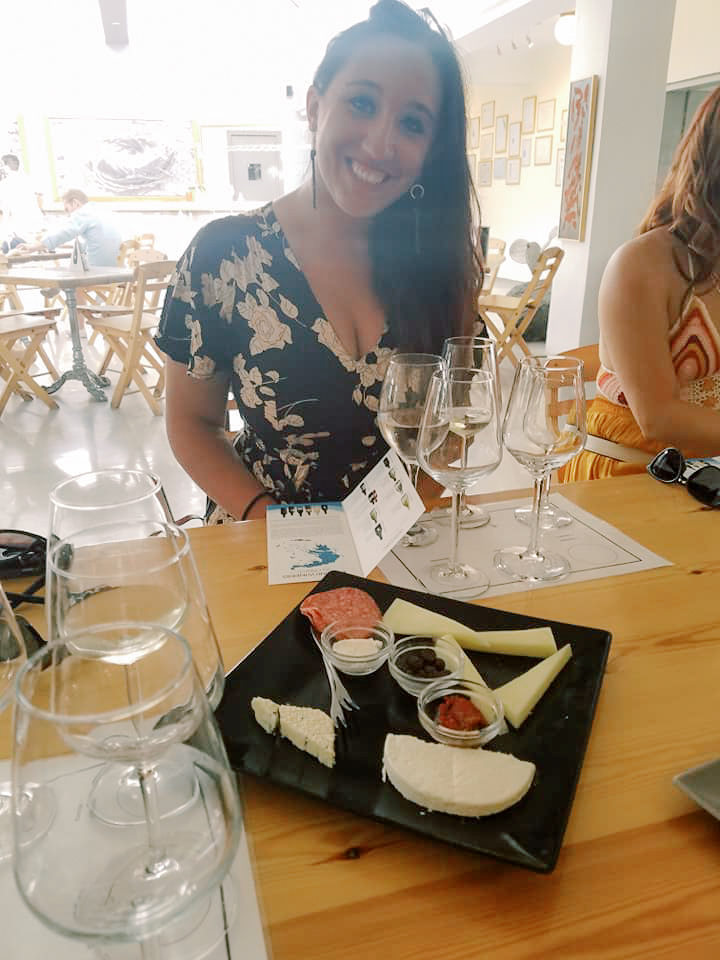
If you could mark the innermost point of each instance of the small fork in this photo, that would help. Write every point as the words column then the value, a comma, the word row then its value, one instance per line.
column 340, row 699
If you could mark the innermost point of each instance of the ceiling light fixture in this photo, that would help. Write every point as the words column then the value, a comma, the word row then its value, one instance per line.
column 528, row 40
column 564, row 29
column 499, row 51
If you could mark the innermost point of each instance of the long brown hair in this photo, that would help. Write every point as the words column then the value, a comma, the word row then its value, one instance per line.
column 688, row 202
column 425, row 269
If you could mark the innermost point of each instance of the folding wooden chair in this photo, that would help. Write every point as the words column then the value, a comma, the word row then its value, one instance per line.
column 513, row 315
column 22, row 338
column 495, row 257
column 127, row 329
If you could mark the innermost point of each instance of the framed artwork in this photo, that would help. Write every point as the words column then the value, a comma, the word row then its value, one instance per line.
column 499, row 166
column 514, row 139
column 543, row 151
column 484, row 173
column 486, row 146
column 501, row 132
column 487, row 114
column 563, row 125
column 578, row 157
column 474, row 133
column 471, row 165
column 526, row 151
column 512, row 172
column 528, row 115
column 546, row 115
column 559, row 164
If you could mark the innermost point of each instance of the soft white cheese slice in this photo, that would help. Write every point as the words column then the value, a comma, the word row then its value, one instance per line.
column 468, row 783
column 405, row 617
column 267, row 713
column 520, row 695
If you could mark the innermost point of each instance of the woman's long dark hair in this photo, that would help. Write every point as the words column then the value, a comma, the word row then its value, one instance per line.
column 428, row 287
column 688, row 202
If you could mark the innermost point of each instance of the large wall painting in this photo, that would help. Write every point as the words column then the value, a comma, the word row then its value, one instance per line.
column 578, row 156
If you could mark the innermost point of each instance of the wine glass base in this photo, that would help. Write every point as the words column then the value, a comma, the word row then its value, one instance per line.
column 116, row 797
column 471, row 516
column 462, row 579
column 550, row 517
column 534, row 567
column 419, row 535
column 37, row 812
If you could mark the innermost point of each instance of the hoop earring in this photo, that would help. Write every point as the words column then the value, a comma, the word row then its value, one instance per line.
column 417, row 192
column 314, row 185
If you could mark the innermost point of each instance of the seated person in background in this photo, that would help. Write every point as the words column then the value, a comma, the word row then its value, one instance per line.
column 20, row 205
column 659, row 312
column 298, row 306
column 88, row 221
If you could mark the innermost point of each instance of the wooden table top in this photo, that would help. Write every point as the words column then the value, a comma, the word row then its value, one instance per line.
column 63, row 276
column 12, row 259
column 639, row 873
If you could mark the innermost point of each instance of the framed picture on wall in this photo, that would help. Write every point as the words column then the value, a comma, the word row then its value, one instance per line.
column 528, row 114
column 512, row 173
column 484, row 173
column 499, row 166
column 546, row 115
column 543, row 151
column 501, row 131
column 526, row 151
column 487, row 114
column 486, row 146
column 474, row 133
column 471, row 165
column 559, row 164
column 578, row 158
column 514, row 139
column 563, row 126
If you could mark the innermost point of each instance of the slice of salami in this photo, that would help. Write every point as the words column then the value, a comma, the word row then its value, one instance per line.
column 345, row 604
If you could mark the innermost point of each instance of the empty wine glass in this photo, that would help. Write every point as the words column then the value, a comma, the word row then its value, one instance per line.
column 544, row 427
column 78, row 710
column 550, row 515
column 135, row 572
column 478, row 353
column 459, row 443
column 400, row 410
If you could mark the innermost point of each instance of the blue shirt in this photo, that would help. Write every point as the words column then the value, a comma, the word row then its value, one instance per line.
column 102, row 238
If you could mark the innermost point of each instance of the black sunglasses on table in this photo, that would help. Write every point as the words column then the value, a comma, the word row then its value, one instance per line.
column 669, row 466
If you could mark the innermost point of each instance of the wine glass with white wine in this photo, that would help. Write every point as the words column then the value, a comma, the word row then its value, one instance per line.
column 400, row 410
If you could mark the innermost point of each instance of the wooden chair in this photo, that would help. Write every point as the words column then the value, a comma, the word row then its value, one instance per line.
column 22, row 337
column 513, row 315
column 127, row 329
column 495, row 257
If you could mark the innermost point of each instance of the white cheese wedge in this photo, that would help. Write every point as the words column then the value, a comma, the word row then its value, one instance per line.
column 267, row 713
column 468, row 783
column 405, row 617
column 520, row 695
column 306, row 728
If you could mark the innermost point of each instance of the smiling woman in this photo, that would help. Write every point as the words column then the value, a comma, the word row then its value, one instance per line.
column 298, row 307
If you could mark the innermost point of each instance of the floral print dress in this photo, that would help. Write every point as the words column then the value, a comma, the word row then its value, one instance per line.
column 240, row 305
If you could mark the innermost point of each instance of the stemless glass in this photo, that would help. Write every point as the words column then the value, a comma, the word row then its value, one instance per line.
column 544, row 428
column 459, row 443
column 77, row 711
column 400, row 410
column 135, row 572
column 478, row 353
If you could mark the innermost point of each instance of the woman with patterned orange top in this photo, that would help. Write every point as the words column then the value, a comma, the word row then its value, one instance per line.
column 659, row 310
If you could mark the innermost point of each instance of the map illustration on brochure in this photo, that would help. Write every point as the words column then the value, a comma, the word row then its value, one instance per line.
column 307, row 540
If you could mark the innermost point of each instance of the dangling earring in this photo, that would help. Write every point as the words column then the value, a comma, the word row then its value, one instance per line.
column 314, row 186
column 417, row 192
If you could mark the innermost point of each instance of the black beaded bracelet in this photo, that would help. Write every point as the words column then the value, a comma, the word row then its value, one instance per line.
column 259, row 496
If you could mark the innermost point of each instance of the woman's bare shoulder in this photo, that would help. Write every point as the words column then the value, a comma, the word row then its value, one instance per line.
column 648, row 263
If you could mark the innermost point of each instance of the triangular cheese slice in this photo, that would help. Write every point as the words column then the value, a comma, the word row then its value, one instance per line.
column 468, row 783
column 520, row 695
column 306, row 728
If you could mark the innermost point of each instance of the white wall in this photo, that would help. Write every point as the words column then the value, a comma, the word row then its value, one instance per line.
column 531, row 208
column 695, row 47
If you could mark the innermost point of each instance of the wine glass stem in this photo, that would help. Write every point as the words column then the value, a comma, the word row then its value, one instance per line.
column 454, row 529
column 150, row 949
column 539, row 492
column 545, row 503
column 146, row 779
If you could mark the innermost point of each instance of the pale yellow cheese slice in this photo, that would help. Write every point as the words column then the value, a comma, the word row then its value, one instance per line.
column 468, row 783
column 306, row 728
column 267, row 713
column 520, row 695
column 405, row 617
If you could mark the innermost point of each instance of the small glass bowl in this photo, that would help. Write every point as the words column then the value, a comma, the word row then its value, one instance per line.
column 445, row 648
column 356, row 664
column 487, row 702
